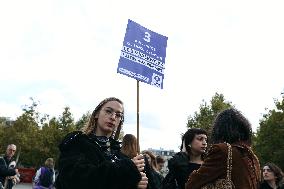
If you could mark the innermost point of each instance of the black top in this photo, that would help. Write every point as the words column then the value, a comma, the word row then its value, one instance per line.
column 154, row 178
column 6, row 171
column 180, row 167
column 265, row 185
column 94, row 162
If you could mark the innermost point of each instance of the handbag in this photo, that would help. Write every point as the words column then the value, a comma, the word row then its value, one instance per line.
column 225, row 183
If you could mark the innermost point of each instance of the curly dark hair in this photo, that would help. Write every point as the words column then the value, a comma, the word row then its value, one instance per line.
column 231, row 126
column 277, row 172
column 188, row 137
column 92, row 123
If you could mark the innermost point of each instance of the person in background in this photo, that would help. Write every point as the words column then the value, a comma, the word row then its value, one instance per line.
column 129, row 146
column 272, row 177
column 91, row 158
column 160, row 163
column 191, row 156
column 230, row 128
column 45, row 176
column 155, row 178
column 131, row 149
column 8, row 173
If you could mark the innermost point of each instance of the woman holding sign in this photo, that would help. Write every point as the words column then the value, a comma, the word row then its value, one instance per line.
column 91, row 158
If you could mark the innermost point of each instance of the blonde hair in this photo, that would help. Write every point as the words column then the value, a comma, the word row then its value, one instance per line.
column 49, row 162
column 92, row 123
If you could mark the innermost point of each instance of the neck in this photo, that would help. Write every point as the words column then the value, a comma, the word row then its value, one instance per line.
column 194, row 158
column 272, row 184
column 97, row 133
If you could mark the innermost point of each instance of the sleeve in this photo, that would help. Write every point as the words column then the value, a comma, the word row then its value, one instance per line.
column 84, row 166
column 38, row 173
column 53, row 176
column 4, row 170
column 214, row 167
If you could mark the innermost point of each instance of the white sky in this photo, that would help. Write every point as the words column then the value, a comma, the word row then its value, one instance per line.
column 66, row 52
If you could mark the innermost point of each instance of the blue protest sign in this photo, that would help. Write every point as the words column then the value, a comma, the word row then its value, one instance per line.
column 143, row 55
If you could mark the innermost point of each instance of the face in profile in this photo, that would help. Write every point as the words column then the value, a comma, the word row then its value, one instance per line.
column 160, row 166
column 148, row 158
column 199, row 144
column 108, row 118
column 268, row 174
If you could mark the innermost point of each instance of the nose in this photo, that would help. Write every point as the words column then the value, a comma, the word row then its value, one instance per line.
column 112, row 115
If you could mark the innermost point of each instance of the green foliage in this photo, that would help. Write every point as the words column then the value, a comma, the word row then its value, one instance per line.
column 270, row 136
column 207, row 112
column 82, row 121
column 35, row 135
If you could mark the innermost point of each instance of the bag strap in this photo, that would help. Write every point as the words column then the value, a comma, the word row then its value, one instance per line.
column 229, row 161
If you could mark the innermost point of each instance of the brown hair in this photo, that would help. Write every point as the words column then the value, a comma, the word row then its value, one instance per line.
column 129, row 146
column 92, row 123
column 277, row 173
column 153, row 159
column 160, row 159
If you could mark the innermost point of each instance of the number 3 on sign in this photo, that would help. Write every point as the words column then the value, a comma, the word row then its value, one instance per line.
column 147, row 37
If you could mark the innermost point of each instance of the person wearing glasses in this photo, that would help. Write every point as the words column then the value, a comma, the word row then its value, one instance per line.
column 8, row 172
column 91, row 158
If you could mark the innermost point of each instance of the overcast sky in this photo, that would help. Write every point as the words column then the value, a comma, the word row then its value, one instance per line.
column 66, row 52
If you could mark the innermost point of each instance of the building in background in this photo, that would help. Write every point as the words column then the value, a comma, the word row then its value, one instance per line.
column 167, row 154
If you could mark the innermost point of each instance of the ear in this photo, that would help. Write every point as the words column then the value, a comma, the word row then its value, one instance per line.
column 183, row 147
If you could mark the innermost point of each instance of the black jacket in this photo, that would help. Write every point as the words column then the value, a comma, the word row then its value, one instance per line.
column 264, row 185
column 6, row 171
column 85, row 162
column 179, row 170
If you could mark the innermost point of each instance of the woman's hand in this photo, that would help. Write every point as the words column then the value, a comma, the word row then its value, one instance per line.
column 139, row 162
column 143, row 182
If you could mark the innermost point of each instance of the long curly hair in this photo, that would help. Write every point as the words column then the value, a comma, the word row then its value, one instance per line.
column 92, row 123
column 231, row 126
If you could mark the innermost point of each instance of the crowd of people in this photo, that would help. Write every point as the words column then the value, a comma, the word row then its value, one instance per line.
column 95, row 158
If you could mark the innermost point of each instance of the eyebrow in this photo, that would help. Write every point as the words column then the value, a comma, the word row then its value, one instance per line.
column 114, row 110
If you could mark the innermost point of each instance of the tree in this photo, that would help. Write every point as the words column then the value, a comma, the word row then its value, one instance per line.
column 66, row 120
column 207, row 112
column 270, row 135
column 82, row 121
column 24, row 133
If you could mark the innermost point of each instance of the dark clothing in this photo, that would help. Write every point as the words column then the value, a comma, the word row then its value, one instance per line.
column 245, row 167
column 94, row 162
column 154, row 178
column 265, row 185
column 158, row 179
column 180, row 168
column 5, row 171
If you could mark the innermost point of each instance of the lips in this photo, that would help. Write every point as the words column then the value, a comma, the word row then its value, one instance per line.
column 110, row 124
